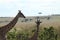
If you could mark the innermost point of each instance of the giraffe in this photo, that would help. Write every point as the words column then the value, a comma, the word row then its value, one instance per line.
column 9, row 26
column 35, row 35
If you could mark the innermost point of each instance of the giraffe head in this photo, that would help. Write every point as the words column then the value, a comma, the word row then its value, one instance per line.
column 20, row 14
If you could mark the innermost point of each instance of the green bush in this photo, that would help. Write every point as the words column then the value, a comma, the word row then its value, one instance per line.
column 14, row 35
column 48, row 34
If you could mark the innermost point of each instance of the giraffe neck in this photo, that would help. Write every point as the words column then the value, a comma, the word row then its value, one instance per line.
column 9, row 26
column 34, row 37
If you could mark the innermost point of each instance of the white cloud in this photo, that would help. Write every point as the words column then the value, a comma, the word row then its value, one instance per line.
column 39, row 0
column 8, row 1
column 30, row 6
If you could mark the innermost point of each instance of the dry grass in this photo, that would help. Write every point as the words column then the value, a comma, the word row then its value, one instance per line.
column 54, row 21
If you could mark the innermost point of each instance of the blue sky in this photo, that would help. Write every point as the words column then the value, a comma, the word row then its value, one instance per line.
column 10, row 8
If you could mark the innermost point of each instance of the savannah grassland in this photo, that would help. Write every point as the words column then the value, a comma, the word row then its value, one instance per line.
column 27, row 26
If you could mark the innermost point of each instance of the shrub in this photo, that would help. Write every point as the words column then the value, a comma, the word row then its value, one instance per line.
column 48, row 34
column 14, row 35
